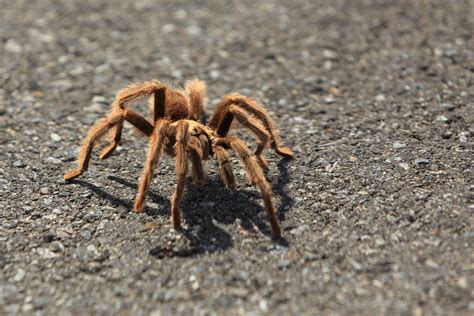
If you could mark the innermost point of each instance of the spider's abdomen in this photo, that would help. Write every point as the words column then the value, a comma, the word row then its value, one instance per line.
column 177, row 107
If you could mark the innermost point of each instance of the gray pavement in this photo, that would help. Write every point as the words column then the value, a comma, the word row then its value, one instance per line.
column 376, row 99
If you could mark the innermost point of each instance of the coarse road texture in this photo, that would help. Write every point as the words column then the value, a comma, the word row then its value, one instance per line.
column 374, row 97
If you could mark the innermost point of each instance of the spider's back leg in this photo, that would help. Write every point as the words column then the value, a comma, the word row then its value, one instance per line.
column 252, row 112
column 256, row 176
column 225, row 169
column 255, row 126
column 196, row 154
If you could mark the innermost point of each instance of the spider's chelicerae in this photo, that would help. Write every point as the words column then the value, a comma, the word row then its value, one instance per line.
column 176, row 129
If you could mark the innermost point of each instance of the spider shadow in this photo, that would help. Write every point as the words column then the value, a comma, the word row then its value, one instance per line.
column 126, row 204
column 220, row 205
column 279, row 188
column 164, row 204
column 203, row 213
column 226, row 206
column 205, row 208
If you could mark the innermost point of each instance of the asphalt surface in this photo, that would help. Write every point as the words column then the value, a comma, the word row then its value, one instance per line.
column 376, row 99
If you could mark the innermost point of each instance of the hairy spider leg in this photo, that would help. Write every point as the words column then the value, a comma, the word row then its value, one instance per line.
column 256, row 177
column 196, row 156
column 225, row 169
column 158, row 140
column 98, row 130
column 181, row 146
column 252, row 115
column 259, row 130
column 154, row 89
column 196, row 91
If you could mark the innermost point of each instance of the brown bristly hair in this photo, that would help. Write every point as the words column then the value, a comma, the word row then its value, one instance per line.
column 182, row 138
column 196, row 91
column 177, row 130
column 158, row 140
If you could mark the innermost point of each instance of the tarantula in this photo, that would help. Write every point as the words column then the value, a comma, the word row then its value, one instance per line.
column 176, row 129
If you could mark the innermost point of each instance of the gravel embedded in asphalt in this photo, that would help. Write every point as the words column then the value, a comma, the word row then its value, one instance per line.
column 376, row 99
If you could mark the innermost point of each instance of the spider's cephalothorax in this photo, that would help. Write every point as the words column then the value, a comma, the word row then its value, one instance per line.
column 176, row 129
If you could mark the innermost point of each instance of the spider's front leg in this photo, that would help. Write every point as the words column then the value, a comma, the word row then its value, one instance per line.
column 181, row 147
column 200, row 148
column 100, row 128
column 158, row 141
column 114, row 121
column 154, row 89
column 116, row 136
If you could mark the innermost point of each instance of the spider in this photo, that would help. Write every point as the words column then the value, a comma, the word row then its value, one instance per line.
column 177, row 130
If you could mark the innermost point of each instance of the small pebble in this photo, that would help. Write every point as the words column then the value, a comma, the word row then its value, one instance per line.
column 263, row 305
column 168, row 28
column 92, row 250
column 56, row 246
column 94, row 108
column 19, row 164
column 398, row 145
column 299, row 230
column 53, row 160
column 20, row 275
column 10, row 224
column 12, row 46
column 447, row 135
column 422, row 161
column 447, row 106
column 282, row 102
column 379, row 241
column 284, row 263
column 329, row 54
column 86, row 234
column 87, row 194
column 28, row 307
column 462, row 283
column 329, row 99
column 63, row 59
column 431, row 264
column 463, row 137
column 93, row 215
column 327, row 64
column 214, row 74
column 47, row 254
column 442, row 118
column 404, row 165
column 102, row 68
column 193, row 30
column 99, row 99
column 55, row 137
